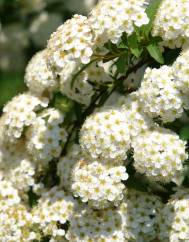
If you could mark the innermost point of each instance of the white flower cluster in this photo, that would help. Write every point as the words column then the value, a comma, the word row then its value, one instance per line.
column 16, row 224
column 109, row 19
column 95, row 226
column 38, row 78
column 99, row 184
column 54, row 188
column 71, row 42
column 181, row 72
column 105, row 135
column 174, row 218
column 171, row 22
column 19, row 113
column 53, row 210
column 20, row 172
column 17, row 168
column 137, row 120
column 75, row 42
column 46, row 136
column 160, row 154
column 159, row 95
column 136, row 219
column 15, row 220
column 139, row 212
column 8, row 195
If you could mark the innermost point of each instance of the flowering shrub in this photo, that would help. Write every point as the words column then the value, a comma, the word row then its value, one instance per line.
column 91, row 152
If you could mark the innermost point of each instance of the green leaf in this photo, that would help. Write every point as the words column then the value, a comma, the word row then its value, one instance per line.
column 184, row 132
column 122, row 45
column 151, row 11
column 135, row 47
column 122, row 64
column 155, row 52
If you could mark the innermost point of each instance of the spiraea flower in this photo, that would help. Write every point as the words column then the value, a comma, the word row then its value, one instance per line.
column 20, row 171
column 38, row 77
column 159, row 95
column 73, row 41
column 137, row 119
column 16, row 225
column 95, row 226
column 139, row 212
column 54, row 209
column 171, row 22
column 105, row 135
column 8, row 195
column 174, row 218
column 160, row 154
column 181, row 75
column 19, row 113
column 109, row 19
column 46, row 137
column 99, row 184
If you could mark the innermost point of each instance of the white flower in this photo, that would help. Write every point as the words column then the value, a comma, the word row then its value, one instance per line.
column 159, row 96
column 95, row 226
column 137, row 119
column 8, row 195
column 20, row 173
column 105, row 135
column 71, row 42
column 54, row 207
column 171, row 22
column 173, row 218
column 99, row 184
column 45, row 137
column 16, row 224
column 139, row 215
column 181, row 75
column 19, row 113
column 38, row 78
column 160, row 154
column 109, row 19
